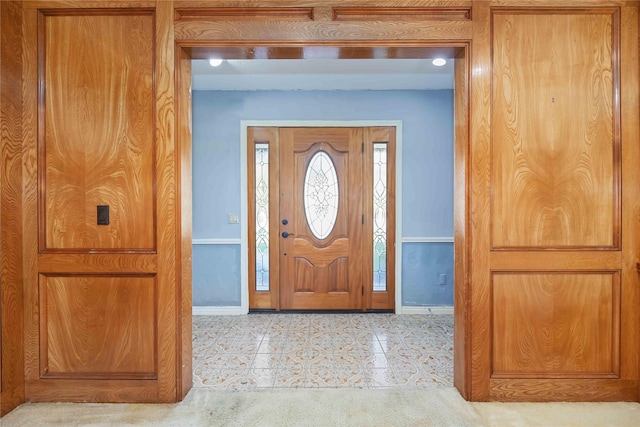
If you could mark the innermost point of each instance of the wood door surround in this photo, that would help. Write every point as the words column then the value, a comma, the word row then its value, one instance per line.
column 11, row 237
column 334, row 272
column 546, row 225
column 105, row 297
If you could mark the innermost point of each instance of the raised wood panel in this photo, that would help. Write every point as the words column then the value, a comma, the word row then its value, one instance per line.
column 90, row 263
column 556, row 325
column 97, row 125
column 11, row 281
column 555, row 142
column 98, row 326
column 400, row 13
column 563, row 390
column 246, row 14
column 322, row 31
column 553, row 261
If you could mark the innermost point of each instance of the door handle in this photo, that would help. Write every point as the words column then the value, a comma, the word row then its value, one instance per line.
column 285, row 234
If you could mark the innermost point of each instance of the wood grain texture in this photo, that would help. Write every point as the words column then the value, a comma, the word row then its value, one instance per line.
column 98, row 132
column 324, row 3
column 556, row 325
column 183, row 117
column 245, row 14
column 322, row 30
column 87, row 4
column 90, row 263
column 308, row 265
column 480, row 155
column 30, row 197
column 461, row 244
column 400, row 14
column 300, row 50
column 552, row 261
column 563, row 390
column 630, row 128
column 169, row 254
column 555, row 179
column 11, row 278
column 97, row 327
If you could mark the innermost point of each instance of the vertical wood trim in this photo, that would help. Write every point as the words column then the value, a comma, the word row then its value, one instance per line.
column 630, row 135
column 367, row 226
column 461, row 300
column 254, row 296
column 29, row 196
column 183, row 129
column 11, row 279
column 167, row 157
column 274, row 213
column 480, row 155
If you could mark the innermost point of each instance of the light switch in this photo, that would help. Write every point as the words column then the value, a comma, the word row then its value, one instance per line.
column 233, row 218
column 103, row 214
column 442, row 279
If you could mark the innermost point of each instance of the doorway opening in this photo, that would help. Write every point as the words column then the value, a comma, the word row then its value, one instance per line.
column 365, row 50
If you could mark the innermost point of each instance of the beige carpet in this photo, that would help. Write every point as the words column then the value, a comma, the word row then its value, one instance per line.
column 327, row 407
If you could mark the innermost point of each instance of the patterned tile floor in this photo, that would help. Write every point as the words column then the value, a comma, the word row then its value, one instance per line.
column 322, row 350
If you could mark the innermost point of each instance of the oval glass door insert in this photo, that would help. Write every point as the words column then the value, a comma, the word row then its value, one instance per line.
column 321, row 195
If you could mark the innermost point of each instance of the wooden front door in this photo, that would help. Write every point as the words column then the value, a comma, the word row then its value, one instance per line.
column 321, row 218
column 319, row 224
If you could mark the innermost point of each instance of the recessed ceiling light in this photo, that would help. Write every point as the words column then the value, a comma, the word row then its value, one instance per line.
column 215, row 62
column 439, row 62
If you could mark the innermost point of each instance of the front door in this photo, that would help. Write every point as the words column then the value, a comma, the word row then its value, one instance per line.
column 321, row 218
column 314, row 217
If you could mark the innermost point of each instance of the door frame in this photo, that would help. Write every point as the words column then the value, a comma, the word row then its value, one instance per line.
column 244, row 196
column 465, row 119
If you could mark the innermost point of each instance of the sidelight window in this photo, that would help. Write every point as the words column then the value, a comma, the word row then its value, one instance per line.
column 262, row 216
column 379, row 217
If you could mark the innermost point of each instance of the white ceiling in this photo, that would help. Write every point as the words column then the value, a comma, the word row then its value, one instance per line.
column 322, row 74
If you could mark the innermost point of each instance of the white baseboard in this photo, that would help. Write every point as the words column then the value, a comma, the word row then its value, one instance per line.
column 219, row 311
column 238, row 311
column 427, row 310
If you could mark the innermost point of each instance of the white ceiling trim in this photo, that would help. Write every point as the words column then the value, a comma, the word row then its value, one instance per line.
column 335, row 74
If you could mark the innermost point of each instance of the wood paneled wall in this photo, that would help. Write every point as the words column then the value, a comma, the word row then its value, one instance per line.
column 547, row 223
column 11, row 284
column 553, row 287
column 97, row 132
column 105, row 311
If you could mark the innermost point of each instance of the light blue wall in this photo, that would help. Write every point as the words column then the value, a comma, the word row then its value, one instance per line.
column 216, row 275
column 422, row 265
column 427, row 173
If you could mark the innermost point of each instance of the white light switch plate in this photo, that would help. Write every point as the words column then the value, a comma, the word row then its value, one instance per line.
column 233, row 218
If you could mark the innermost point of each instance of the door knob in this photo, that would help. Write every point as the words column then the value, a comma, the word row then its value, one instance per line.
column 285, row 234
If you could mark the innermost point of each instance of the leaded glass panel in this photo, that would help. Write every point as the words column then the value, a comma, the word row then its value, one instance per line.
column 262, row 216
column 321, row 195
column 379, row 217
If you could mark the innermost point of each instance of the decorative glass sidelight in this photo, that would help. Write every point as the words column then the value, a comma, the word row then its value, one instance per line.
column 379, row 217
column 262, row 216
column 321, row 195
